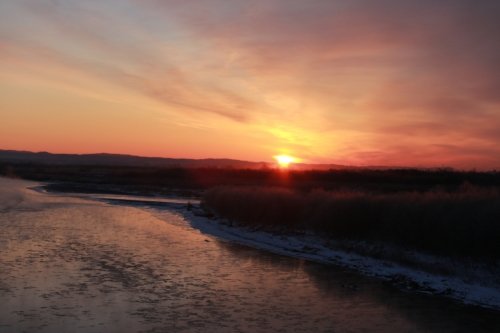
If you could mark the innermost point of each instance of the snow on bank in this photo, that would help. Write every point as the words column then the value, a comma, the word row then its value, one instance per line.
column 314, row 248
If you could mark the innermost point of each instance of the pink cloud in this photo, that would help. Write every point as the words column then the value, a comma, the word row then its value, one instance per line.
column 423, row 73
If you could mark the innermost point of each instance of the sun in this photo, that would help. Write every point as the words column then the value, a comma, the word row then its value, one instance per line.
column 284, row 160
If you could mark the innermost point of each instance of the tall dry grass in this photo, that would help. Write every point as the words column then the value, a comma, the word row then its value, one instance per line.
column 461, row 223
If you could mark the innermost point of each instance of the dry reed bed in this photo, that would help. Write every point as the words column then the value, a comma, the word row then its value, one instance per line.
column 463, row 223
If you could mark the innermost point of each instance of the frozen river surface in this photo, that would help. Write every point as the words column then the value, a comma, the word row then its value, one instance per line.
column 75, row 265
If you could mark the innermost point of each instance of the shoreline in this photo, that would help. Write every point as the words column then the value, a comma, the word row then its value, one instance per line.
column 319, row 249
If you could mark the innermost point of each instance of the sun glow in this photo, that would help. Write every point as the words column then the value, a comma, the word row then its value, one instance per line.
column 284, row 160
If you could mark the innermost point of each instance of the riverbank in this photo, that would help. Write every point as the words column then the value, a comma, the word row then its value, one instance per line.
column 461, row 223
column 466, row 282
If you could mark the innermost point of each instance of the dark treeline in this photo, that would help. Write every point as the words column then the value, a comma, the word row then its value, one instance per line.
column 151, row 179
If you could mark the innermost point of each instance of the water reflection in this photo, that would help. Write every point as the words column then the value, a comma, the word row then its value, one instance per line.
column 374, row 303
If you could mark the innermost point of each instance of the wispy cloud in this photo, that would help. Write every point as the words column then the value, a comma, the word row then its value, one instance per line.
column 363, row 73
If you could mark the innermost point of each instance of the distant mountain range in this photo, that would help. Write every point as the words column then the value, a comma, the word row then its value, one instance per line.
column 14, row 156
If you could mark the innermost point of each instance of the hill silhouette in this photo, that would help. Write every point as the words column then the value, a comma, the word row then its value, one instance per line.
column 105, row 159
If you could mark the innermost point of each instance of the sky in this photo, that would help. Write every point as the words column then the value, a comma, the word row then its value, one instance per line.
column 359, row 82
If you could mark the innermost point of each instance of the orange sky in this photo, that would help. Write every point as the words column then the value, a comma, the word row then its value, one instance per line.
column 363, row 82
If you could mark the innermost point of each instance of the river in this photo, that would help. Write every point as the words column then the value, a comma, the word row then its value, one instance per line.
column 72, row 264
